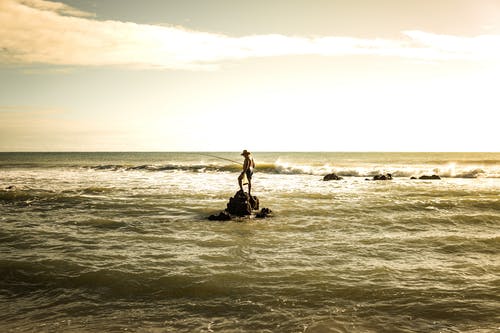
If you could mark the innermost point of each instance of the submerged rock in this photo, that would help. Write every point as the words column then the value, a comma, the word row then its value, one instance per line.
column 223, row 216
column 331, row 176
column 429, row 177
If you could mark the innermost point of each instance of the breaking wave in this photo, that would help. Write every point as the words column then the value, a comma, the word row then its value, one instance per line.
column 319, row 170
column 449, row 165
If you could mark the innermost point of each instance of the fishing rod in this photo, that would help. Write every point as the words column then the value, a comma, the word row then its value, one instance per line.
column 220, row 158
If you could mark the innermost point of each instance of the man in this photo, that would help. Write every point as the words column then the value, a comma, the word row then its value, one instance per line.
column 248, row 165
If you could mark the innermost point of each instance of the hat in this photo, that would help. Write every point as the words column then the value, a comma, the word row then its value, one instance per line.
column 245, row 152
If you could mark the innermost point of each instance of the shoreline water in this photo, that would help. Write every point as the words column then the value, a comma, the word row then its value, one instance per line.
column 90, row 250
column 454, row 165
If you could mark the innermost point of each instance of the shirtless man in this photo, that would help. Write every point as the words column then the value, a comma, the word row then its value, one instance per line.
column 248, row 166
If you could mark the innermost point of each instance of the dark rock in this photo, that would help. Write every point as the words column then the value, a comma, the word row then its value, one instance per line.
column 11, row 187
column 331, row 176
column 413, row 177
column 223, row 216
column 425, row 177
column 242, row 204
column 264, row 212
column 383, row 177
column 254, row 202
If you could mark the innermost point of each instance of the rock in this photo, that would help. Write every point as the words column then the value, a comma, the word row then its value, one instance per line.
column 383, row 177
column 223, row 216
column 241, row 204
column 264, row 212
column 429, row 177
column 413, row 177
column 331, row 176
column 254, row 202
column 11, row 187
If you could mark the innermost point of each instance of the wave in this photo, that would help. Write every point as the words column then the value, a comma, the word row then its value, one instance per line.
column 317, row 170
column 23, row 276
column 167, row 167
column 26, row 196
column 152, row 272
column 475, row 173
column 451, row 170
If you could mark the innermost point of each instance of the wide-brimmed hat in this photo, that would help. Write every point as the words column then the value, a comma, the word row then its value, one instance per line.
column 245, row 152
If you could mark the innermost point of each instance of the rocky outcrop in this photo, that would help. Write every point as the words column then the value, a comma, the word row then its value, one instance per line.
column 425, row 177
column 264, row 212
column 331, row 176
column 387, row 176
column 241, row 204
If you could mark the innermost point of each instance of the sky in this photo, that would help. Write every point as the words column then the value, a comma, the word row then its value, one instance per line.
column 262, row 75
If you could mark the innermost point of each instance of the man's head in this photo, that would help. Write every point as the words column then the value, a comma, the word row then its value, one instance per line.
column 245, row 153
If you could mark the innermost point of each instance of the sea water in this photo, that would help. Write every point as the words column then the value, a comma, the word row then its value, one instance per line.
column 115, row 242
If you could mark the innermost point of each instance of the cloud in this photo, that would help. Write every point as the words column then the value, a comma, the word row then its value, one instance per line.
column 46, row 32
column 56, row 7
column 484, row 47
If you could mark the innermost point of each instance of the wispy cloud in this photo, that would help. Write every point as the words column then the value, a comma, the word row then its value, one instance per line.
column 56, row 7
column 46, row 32
column 483, row 47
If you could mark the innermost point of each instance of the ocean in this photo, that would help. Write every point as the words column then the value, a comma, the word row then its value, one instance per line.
column 120, row 242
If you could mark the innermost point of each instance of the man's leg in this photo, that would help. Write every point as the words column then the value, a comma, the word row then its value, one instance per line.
column 240, row 179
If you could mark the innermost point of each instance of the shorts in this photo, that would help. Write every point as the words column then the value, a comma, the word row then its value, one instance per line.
column 249, row 174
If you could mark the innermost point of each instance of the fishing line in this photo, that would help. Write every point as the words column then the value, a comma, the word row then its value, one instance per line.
column 221, row 158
